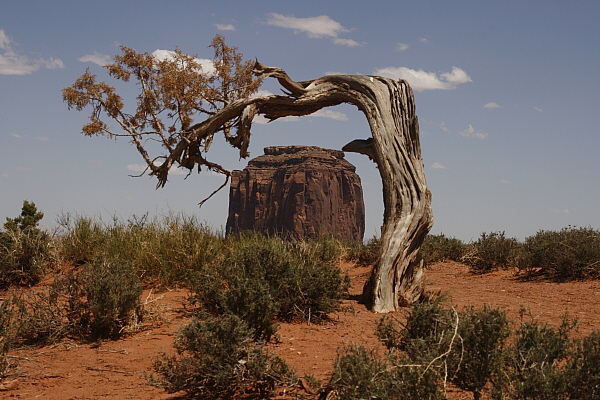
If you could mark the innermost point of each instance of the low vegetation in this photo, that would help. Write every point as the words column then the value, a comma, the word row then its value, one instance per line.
column 243, row 286
column 438, row 346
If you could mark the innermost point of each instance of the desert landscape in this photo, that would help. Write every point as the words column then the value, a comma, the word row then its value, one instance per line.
column 120, row 368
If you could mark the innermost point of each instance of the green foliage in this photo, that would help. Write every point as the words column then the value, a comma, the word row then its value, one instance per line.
column 112, row 291
column 163, row 250
column 438, row 248
column 262, row 278
column 476, row 359
column 365, row 254
column 217, row 358
column 6, row 335
column 25, row 250
column 491, row 251
column 97, row 302
column 531, row 367
column 436, row 345
column 359, row 373
column 572, row 253
column 583, row 369
column 29, row 218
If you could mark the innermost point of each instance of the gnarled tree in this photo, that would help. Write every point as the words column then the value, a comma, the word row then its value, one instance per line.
column 178, row 88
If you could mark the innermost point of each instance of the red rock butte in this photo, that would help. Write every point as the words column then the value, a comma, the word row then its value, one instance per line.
column 300, row 192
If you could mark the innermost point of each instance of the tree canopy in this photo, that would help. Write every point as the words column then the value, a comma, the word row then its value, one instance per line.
column 177, row 93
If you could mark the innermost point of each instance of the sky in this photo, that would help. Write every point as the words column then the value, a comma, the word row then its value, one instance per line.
column 507, row 94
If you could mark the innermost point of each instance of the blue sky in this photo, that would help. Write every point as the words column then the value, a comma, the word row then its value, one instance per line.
column 507, row 95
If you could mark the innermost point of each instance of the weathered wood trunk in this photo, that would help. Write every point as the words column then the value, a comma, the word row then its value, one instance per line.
column 395, row 147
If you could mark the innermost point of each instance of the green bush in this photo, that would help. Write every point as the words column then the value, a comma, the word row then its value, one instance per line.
column 217, row 358
column 438, row 248
column 532, row 366
column 476, row 357
column 6, row 335
column 583, row 369
column 113, row 295
column 25, row 250
column 163, row 250
column 359, row 373
column 368, row 254
column 572, row 253
column 262, row 278
column 491, row 251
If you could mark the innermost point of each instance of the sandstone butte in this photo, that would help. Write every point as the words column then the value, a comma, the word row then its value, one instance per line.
column 300, row 192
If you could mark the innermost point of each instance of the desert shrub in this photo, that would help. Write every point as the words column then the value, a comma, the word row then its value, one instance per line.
column 531, row 367
column 572, row 253
column 38, row 319
column 217, row 358
column 492, row 250
column 437, row 248
column 366, row 254
column 25, row 250
column 583, row 369
column 80, row 240
column 476, row 357
column 359, row 373
column 437, row 344
column 262, row 278
column 6, row 335
column 162, row 250
column 112, row 291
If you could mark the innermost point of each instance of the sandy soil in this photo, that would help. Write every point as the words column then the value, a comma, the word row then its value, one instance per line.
column 118, row 369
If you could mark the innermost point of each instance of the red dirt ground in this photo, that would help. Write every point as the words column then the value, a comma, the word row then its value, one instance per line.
column 118, row 369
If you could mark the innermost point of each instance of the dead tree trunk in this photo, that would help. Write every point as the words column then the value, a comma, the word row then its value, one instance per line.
column 394, row 146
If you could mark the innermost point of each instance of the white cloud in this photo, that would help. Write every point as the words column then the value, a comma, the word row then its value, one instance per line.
column 470, row 132
column 560, row 211
column 335, row 115
column 444, row 127
column 423, row 80
column 225, row 27
column 491, row 104
column 403, row 46
column 347, row 42
column 13, row 63
column 15, row 135
column 438, row 165
column 96, row 58
column 505, row 181
column 42, row 138
column 314, row 27
column 539, row 109
column 207, row 65
column 423, row 40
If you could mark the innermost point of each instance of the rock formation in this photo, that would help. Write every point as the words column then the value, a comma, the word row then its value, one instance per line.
column 300, row 191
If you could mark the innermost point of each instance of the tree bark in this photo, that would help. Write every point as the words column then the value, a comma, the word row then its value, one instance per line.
column 395, row 147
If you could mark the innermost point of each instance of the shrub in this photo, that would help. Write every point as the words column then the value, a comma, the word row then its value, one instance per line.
column 491, row 251
column 25, row 250
column 262, row 278
column 583, row 369
column 438, row 248
column 363, row 254
column 113, row 293
column 164, row 251
column 217, row 358
column 572, row 253
column 359, row 373
column 531, row 366
column 477, row 357
column 6, row 335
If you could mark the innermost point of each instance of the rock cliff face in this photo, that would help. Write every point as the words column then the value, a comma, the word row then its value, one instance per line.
column 299, row 191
